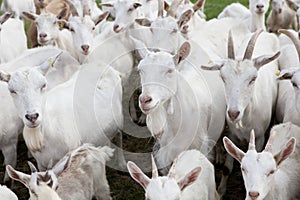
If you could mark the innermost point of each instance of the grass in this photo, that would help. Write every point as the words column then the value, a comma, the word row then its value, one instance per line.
column 122, row 186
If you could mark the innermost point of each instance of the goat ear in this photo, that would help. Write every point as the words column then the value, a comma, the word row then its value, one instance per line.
column 265, row 59
column 184, row 18
column 4, row 76
column 62, row 13
column 18, row 176
column 30, row 16
column 292, row 5
column 233, row 150
column 101, row 17
column 5, row 17
column 107, row 4
column 63, row 24
column 190, row 178
column 144, row 22
column 183, row 53
column 137, row 4
column 213, row 66
column 137, row 174
column 44, row 67
column 286, row 151
column 166, row 6
column 140, row 47
column 61, row 165
column 287, row 73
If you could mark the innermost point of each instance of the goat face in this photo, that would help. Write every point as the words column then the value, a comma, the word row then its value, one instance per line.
column 163, row 188
column 159, row 80
column 277, row 6
column 125, row 13
column 239, row 78
column 26, row 88
column 259, row 6
column 47, row 28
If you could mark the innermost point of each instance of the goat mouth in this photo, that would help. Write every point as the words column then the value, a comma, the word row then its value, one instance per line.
column 147, row 110
column 260, row 11
column 32, row 125
column 44, row 42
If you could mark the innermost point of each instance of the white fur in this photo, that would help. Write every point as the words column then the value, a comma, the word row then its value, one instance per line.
column 7, row 194
column 17, row 6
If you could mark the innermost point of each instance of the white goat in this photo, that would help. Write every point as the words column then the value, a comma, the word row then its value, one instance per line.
column 287, row 108
column 190, row 177
column 49, row 33
column 7, row 194
column 82, row 95
column 281, row 17
column 79, row 175
column 17, row 7
column 11, row 125
column 168, row 103
column 235, row 10
column 13, row 41
column 247, row 85
column 269, row 174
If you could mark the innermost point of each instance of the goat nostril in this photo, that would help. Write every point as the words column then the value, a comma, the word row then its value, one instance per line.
column 32, row 117
column 43, row 35
column 85, row 48
column 233, row 115
column 116, row 26
column 259, row 6
column 253, row 194
column 145, row 100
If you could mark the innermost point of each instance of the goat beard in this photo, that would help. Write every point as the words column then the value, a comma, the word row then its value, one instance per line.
column 157, row 121
column 33, row 138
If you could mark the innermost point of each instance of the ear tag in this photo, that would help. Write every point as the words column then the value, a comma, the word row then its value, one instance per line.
column 277, row 73
column 51, row 62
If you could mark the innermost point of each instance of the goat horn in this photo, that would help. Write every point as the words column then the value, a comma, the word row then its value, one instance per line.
column 268, row 147
column 86, row 9
column 294, row 39
column 154, row 168
column 172, row 170
column 252, row 140
column 172, row 10
column 198, row 5
column 250, row 46
column 72, row 7
column 32, row 167
column 230, row 46
column 160, row 12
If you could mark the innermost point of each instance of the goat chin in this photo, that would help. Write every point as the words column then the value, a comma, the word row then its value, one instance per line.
column 33, row 138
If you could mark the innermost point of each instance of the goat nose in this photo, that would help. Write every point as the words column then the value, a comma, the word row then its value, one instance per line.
column 233, row 115
column 85, row 48
column 116, row 26
column 43, row 35
column 32, row 117
column 260, row 6
column 253, row 195
column 145, row 99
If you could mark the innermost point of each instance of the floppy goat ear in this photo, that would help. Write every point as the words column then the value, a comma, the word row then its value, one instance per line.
column 287, row 74
column 44, row 67
column 4, row 76
column 182, row 53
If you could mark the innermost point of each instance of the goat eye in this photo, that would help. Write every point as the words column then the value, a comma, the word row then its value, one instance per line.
column 12, row 91
column 243, row 170
column 252, row 80
column 170, row 71
column 43, row 87
column 94, row 28
column 294, row 85
column 130, row 10
column 271, row 172
column 72, row 30
column 174, row 30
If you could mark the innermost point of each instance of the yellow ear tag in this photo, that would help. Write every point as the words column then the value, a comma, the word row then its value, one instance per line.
column 210, row 62
column 61, row 25
column 51, row 62
column 277, row 73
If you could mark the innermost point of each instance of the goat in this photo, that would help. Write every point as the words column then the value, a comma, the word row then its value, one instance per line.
column 269, row 174
column 37, row 115
column 235, row 10
column 281, row 17
column 287, row 103
column 190, row 177
column 13, row 41
column 247, row 84
column 17, row 7
column 7, row 194
column 166, row 103
column 78, row 175
column 11, row 125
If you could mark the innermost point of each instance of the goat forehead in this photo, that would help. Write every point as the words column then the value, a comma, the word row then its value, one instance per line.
column 20, row 79
column 47, row 17
column 165, row 23
column 242, row 69
column 258, row 162
column 163, row 188
column 161, row 59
